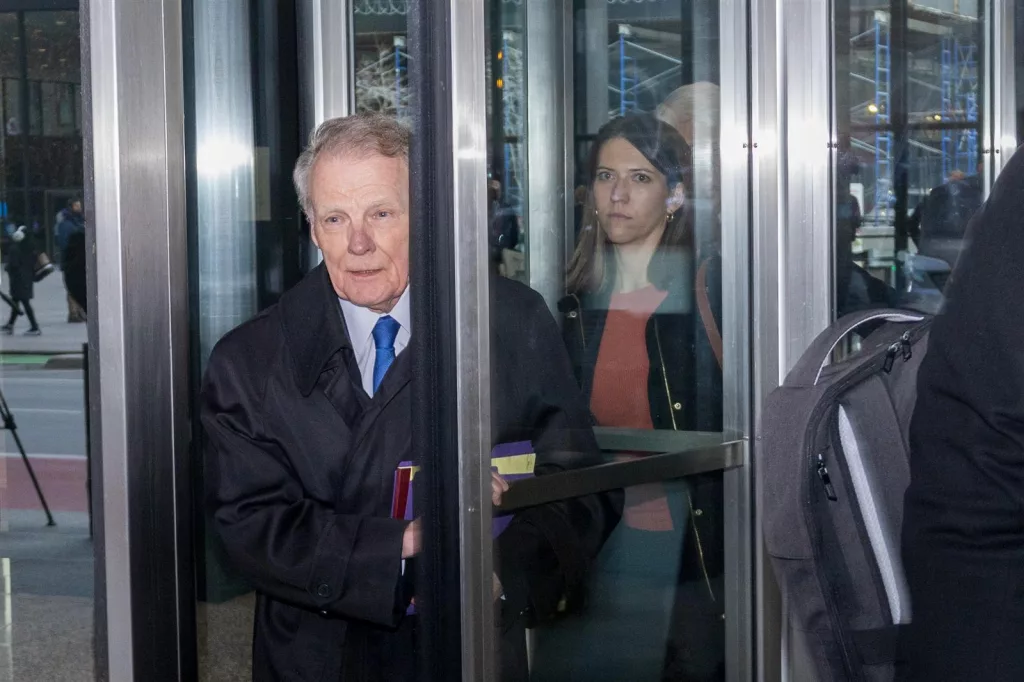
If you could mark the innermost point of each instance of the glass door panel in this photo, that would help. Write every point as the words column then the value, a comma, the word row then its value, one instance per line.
column 910, row 111
column 654, row 606
column 605, row 185
column 246, row 237
column 380, row 58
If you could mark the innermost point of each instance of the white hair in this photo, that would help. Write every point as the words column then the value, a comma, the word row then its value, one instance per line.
column 696, row 104
column 367, row 133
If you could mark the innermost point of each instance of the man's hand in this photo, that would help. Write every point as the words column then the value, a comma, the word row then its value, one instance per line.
column 498, row 486
column 411, row 540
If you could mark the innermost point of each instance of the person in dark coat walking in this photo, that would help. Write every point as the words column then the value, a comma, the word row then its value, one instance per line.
column 963, row 526
column 71, row 234
column 21, row 267
column 73, row 266
column 307, row 411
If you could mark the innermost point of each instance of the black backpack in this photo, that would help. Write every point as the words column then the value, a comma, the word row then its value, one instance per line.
column 835, row 466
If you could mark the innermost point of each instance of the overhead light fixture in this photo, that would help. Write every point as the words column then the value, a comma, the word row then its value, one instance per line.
column 873, row 108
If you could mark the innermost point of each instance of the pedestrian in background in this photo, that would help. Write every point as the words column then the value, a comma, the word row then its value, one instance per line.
column 21, row 267
column 71, row 228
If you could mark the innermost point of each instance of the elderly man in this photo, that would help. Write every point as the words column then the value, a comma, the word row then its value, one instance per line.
column 307, row 410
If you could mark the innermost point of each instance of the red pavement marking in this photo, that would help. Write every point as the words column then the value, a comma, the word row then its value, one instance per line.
column 62, row 481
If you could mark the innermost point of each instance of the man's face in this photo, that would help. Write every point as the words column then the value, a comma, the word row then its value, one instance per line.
column 76, row 207
column 360, row 215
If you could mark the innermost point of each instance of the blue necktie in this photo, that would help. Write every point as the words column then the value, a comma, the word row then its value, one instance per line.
column 384, row 333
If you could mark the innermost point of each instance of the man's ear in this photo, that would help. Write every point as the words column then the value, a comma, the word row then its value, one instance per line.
column 677, row 199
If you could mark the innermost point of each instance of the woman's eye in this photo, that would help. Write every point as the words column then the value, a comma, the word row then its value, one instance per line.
column 643, row 177
column 604, row 175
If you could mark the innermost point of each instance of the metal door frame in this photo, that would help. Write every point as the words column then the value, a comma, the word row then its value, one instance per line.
column 138, row 338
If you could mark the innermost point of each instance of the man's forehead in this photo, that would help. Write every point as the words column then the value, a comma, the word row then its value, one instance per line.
column 361, row 170
column 365, row 179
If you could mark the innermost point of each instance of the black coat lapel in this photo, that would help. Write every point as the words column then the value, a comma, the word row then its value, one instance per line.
column 314, row 328
column 397, row 378
column 344, row 388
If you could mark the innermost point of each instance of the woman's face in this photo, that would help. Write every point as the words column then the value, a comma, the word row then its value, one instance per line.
column 631, row 196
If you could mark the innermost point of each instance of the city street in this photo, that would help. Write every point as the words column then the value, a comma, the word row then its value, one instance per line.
column 50, row 305
column 48, row 408
column 47, row 405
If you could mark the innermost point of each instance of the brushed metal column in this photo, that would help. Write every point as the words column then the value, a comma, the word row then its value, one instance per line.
column 138, row 332
column 1003, row 80
column 327, row 75
column 595, row 45
column 546, row 35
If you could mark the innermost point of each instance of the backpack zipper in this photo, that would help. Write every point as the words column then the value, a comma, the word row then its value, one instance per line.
column 826, row 480
column 902, row 346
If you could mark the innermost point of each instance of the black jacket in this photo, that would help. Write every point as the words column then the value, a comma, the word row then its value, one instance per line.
column 963, row 529
column 684, row 389
column 300, row 464
column 73, row 264
column 21, row 268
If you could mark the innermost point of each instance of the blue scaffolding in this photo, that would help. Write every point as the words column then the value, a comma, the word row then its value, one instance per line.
column 883, row 135
column 627, row 73
column 642, row 71
column 959, row 104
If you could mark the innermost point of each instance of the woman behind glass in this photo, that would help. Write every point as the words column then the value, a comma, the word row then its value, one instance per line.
column 633, row 333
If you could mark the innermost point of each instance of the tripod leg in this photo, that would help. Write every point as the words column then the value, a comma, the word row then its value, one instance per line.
column 32, row 474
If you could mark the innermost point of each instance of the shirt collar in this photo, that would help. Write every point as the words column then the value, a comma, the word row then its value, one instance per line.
column 361, row 321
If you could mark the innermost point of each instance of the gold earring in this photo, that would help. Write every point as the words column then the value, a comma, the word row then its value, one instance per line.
column 668, row 216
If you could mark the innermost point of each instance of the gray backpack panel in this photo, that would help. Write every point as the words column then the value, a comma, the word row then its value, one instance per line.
column 835, row 466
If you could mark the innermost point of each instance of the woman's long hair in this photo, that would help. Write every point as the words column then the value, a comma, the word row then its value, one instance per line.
column 593, row 262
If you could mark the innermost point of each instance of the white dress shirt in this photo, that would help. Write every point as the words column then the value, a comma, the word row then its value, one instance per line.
column 360, row 323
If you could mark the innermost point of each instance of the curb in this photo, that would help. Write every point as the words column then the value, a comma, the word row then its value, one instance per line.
column 67, row 361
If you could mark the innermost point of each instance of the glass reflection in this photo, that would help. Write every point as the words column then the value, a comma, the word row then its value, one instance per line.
column 910, row 100
column 641, row 319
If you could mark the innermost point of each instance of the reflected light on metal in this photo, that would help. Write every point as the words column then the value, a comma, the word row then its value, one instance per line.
column 225, row 167
column 220, row 157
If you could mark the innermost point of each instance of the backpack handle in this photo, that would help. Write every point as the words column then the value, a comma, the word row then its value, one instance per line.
column 814, row 360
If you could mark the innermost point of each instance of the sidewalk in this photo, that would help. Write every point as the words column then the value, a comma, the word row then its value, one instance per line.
column 50, row 305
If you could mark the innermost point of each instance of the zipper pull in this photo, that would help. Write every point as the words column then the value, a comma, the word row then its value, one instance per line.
column 890, row 356
column 826, row 480
column 908, row 351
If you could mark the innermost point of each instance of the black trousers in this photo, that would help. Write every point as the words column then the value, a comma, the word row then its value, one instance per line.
column 15, row 312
